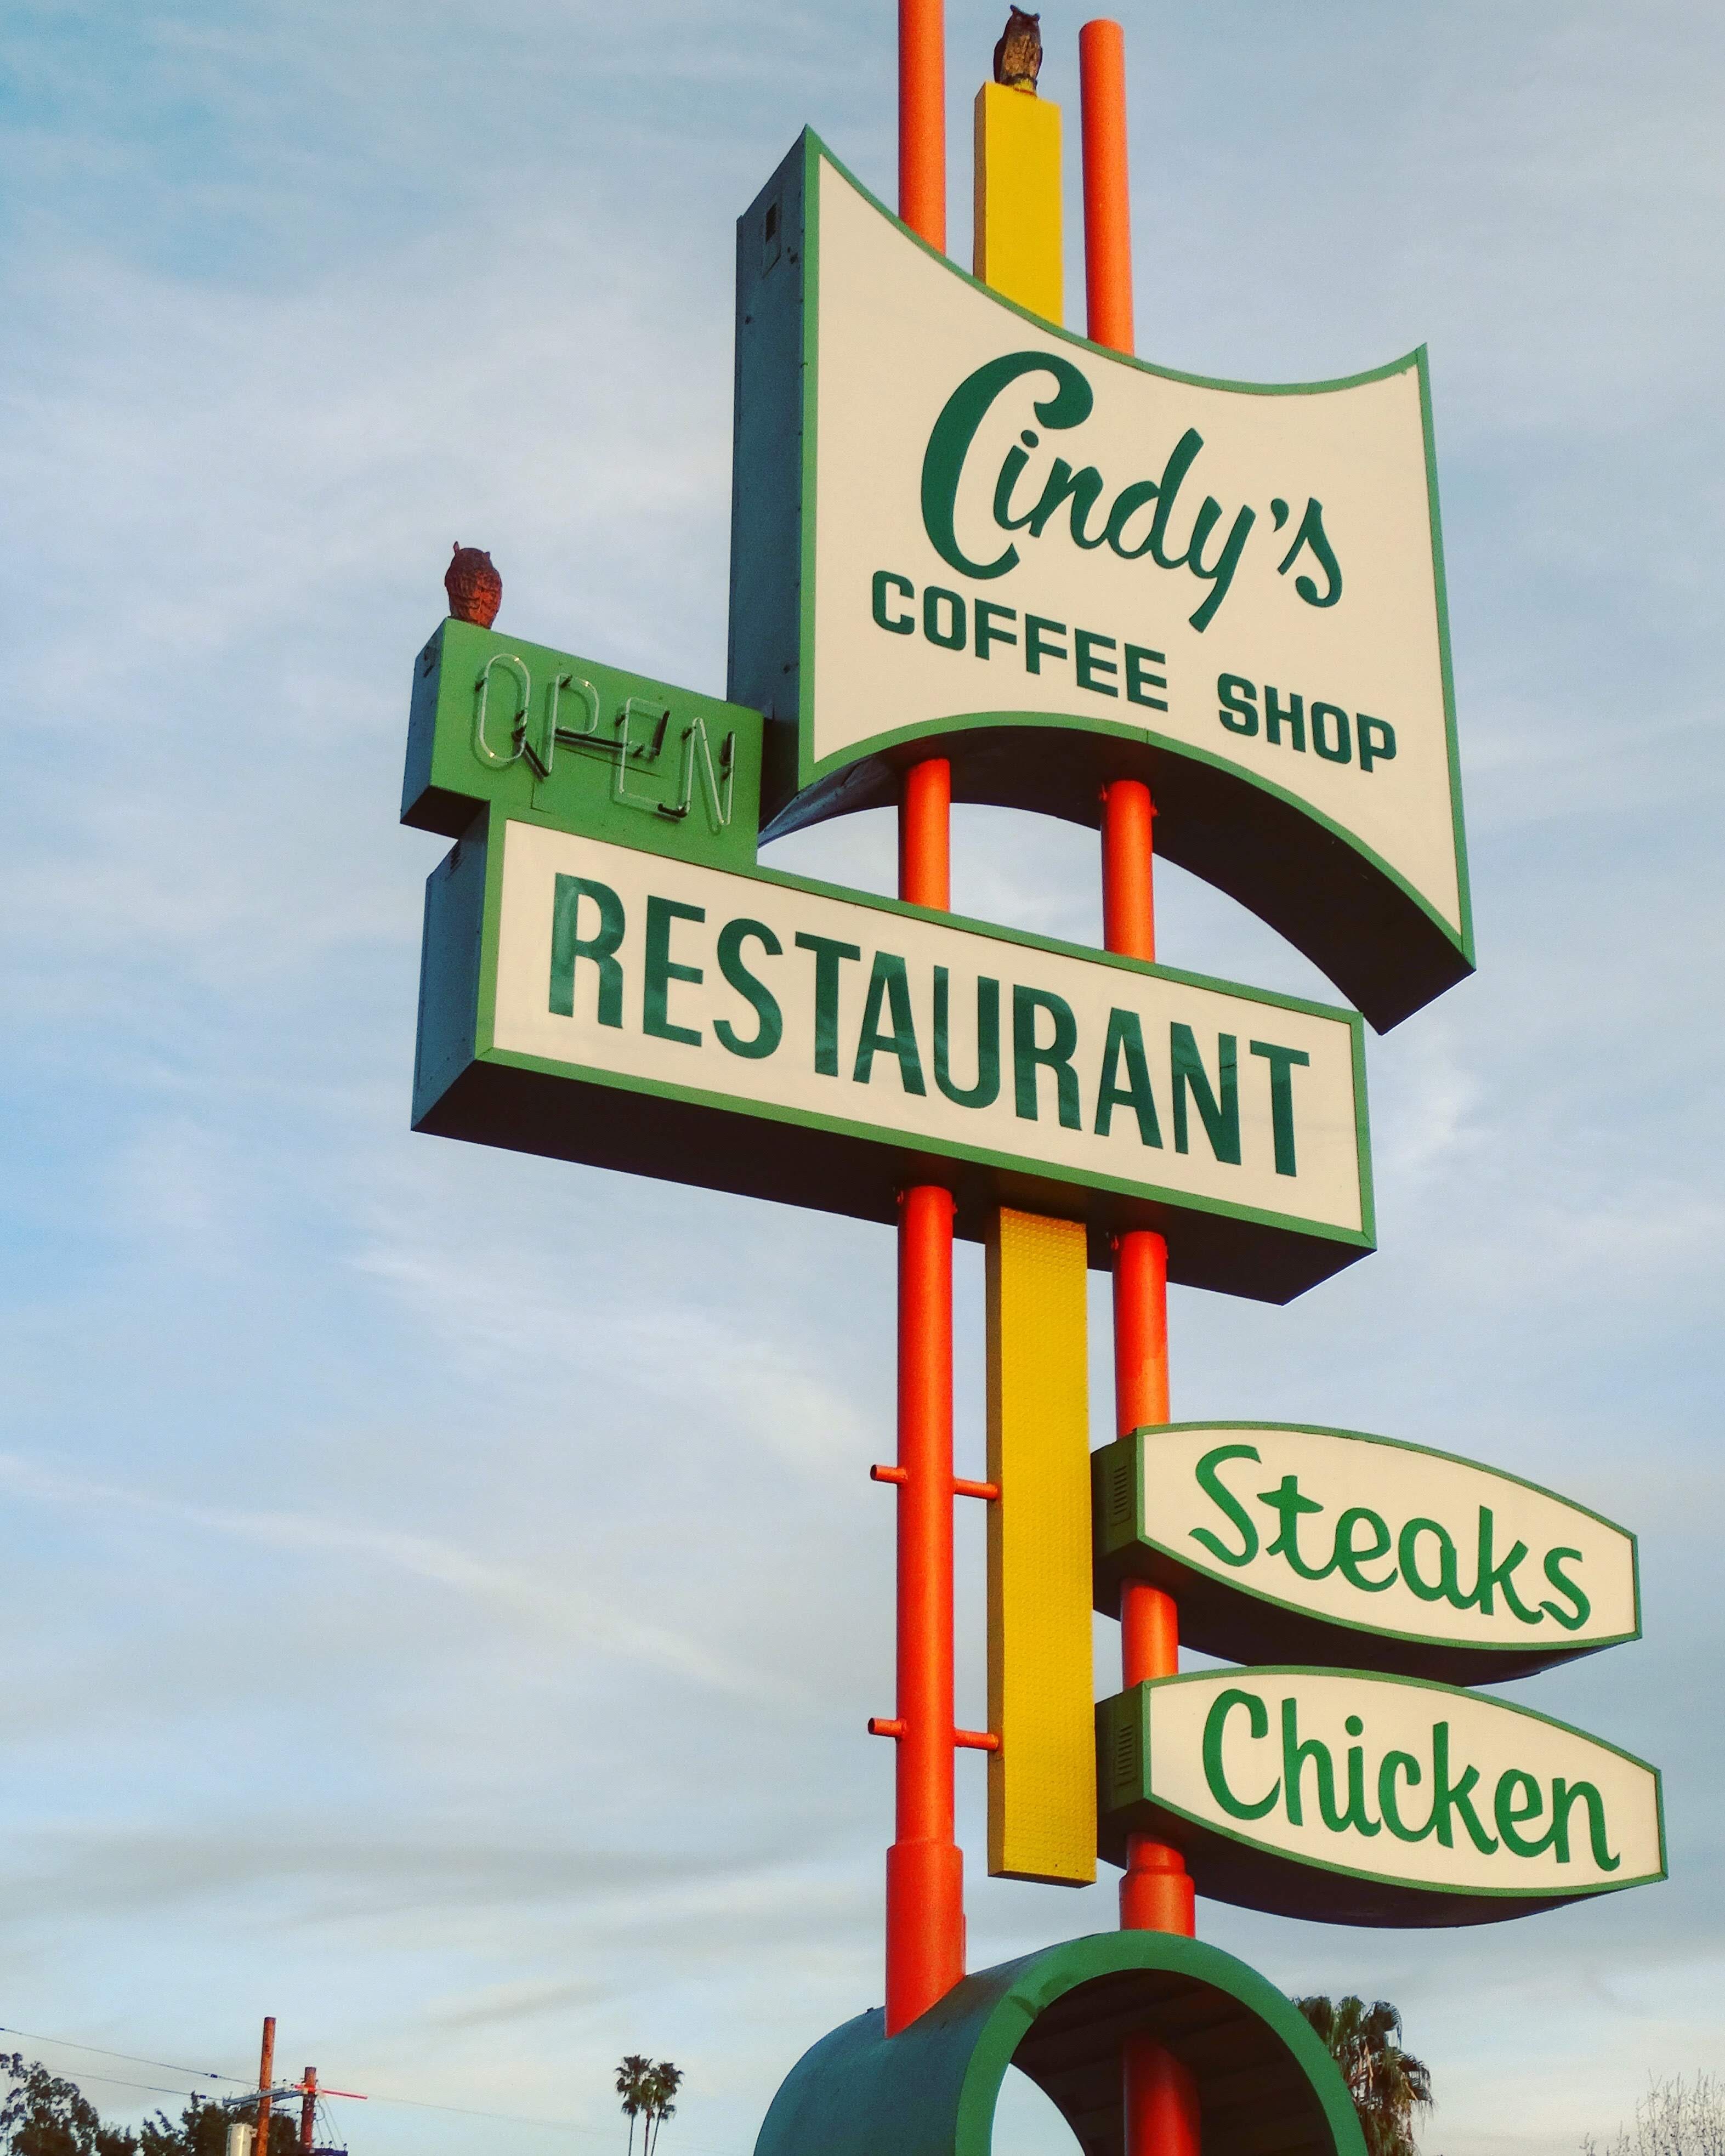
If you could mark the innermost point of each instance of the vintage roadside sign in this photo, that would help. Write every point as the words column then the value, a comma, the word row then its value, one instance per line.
column 1283, row 1541
column 969, row 546
column 1365, row 1799
column 606, row 982
column 958, row 528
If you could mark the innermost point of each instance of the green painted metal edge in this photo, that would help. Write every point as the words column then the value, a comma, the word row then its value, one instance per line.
column 932, row 2090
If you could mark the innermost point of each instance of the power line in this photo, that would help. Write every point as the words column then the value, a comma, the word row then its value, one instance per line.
column 411, row 2103
column 166, row 2066
column 118, row 2081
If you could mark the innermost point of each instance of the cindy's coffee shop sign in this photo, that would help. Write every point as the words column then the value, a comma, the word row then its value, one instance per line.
column 959, row 528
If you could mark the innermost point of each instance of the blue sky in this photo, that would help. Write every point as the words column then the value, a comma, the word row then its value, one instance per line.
column 442, row 1590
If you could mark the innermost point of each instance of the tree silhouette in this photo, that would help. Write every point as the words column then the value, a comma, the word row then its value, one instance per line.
column 633, row 2078
column 663, row 2082
column 202, row 2130
column 1676, row 2117
column 1388, row 2085
column 44, row 2116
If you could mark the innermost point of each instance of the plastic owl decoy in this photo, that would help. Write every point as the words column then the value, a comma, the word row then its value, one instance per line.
column 1017, row 56
column 474, row 588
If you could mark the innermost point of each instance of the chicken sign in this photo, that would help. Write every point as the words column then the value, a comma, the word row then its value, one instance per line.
column 968, row 543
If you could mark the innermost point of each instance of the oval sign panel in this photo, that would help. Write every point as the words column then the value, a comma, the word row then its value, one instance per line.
column 1362, row 1800
column 1285, row 1543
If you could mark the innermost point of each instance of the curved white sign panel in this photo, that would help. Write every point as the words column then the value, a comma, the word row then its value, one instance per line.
column 1372, row 1800
column 956, row 525
column 1283, row 1541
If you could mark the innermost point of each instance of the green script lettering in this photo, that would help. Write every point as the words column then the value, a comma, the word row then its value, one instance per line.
column 1393, row 1764
column 1510, row 1817
column 1563, row 1796
column 1568, row 1588
column 955, row 429
column 1210, row 1481
column 1493, row 1576
column 1295, row 1753
column 1448, row 1586
column 1078, row 490
column 1349, row 1557
column 1356, row 1812
column 1447, row 1796
column 1214, row 1774
column 1286, row 1502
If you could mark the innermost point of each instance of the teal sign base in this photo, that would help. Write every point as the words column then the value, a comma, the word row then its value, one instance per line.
column 1267, row 2087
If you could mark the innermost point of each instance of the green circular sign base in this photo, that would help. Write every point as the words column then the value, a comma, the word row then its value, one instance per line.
column 1267, row 2086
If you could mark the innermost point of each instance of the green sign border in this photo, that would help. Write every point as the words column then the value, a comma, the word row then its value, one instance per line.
column 1390, row 965
column 1231, row 1866
column 466, row 1086
column 1266, row 2084
column 1238, row 1623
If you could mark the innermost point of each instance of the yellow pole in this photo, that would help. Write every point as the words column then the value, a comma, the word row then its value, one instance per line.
column 1042, row 1807
column 1042, row 1787
column 1018, row 248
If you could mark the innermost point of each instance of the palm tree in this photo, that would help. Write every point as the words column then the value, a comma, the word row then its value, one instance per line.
column 662, row 2083
column 1388, row 2085
column 633, row 2080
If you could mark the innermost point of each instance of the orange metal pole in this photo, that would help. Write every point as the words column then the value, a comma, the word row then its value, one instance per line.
column 922, row 119
column 1128, row 889
column 1162, row 2111
column 1107, row 213
column 1158, row 2095
column 1156, row 1893
column 925, row 870
column 925, row 1866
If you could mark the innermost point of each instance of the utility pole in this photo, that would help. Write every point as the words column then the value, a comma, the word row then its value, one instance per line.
column 266, row 2074
column 308, row 2107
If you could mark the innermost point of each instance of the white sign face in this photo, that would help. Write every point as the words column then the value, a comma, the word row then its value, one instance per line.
column 1411, row 1559
column 1005, row 527
column 765, row 993
column 1418, row 1792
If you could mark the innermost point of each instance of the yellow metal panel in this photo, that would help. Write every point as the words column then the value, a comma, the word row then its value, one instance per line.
column 1042, row 1787
column 1017, row 198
